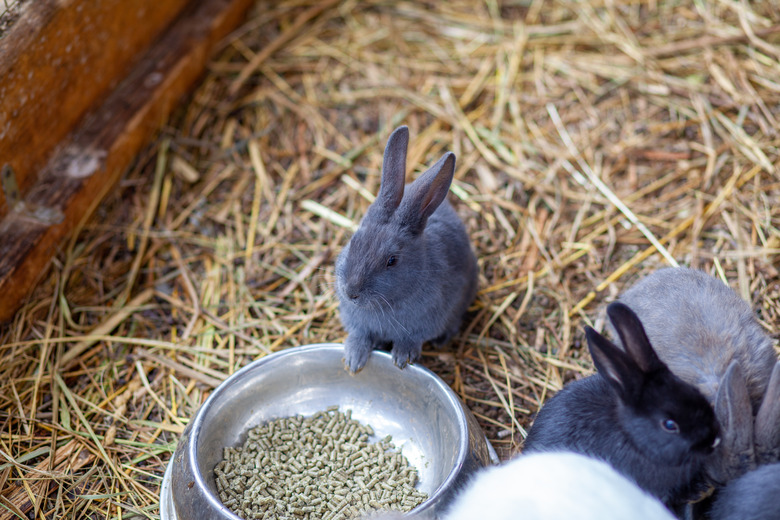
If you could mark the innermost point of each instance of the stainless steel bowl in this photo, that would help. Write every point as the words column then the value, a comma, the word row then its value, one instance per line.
column 428, row 422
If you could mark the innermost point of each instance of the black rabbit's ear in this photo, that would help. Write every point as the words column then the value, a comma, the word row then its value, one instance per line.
column 391, row 190
column 633, row 337
column 768, row 421
column 427, row 192
column 735, row 415
column 613, row 364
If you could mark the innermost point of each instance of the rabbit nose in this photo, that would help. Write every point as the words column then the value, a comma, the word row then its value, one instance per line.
column 353, row 293
column 352, row 289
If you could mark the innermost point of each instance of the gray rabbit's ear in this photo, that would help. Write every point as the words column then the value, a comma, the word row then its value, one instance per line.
column 427, row 192
column 391, row 190
column 735, row 415
column 613, row 364
column 768, row 421
column 633, row 337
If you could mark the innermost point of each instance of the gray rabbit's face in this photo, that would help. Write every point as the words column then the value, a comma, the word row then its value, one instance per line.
column 377, row 268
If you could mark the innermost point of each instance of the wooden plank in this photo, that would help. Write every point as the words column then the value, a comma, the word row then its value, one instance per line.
column 90, row 160
column 57, row 60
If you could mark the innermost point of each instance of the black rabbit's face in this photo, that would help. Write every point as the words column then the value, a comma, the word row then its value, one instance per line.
column 377, row 268
column 672, row 421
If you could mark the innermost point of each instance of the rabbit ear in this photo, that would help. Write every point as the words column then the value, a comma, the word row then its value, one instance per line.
column 768, row 421
column 391, row 190
column 735, row 415
column 427, row 192
column 613, row 364
column 633, row 337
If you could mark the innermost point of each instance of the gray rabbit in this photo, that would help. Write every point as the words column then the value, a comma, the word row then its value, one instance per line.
column 753, row 496
column 408, row 274
column 748, row 441
column 709, row 337
column 767, row 424
column 634, row 414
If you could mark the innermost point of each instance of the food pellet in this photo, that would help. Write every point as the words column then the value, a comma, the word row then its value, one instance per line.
column 315, row 468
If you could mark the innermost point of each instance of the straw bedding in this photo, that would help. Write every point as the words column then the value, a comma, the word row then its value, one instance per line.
column 595, row 143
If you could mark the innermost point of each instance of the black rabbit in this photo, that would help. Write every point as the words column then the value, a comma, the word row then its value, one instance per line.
column 634, row 414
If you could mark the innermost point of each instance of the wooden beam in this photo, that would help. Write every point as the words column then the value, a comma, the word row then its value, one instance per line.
column 57, row 60
column 91, row 159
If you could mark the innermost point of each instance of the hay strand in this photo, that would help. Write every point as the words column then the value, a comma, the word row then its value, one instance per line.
column 595, row 142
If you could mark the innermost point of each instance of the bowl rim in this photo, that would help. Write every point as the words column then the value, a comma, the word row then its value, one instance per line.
column 451, row 398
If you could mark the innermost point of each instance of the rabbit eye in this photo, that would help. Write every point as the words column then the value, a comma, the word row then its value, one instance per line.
column 670, row 426
column 392, row 260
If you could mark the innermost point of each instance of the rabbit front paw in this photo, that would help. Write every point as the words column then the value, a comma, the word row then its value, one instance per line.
column 405, row 353
column 356, row 352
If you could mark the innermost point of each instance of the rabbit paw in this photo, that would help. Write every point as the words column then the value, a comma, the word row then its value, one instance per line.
column 405, row 353
column 356, row 352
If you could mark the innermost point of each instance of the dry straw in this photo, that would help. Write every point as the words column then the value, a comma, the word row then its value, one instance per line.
column 218, row 246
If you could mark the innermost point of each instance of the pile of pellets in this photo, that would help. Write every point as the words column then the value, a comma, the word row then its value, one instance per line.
column 315, row 468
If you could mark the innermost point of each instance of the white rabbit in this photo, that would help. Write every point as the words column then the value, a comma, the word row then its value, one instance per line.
column 550, row 486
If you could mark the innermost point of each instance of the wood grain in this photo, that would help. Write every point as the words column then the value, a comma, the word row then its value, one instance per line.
column 59, row 58
column 91, row 159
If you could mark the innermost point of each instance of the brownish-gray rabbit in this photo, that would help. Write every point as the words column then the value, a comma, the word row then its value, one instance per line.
column 709, row 337
column 767, row 430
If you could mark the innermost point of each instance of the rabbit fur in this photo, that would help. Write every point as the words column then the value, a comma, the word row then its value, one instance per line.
column 753, row 496
column 550, row 486
column 767, row 426
column 709, row 337
column 747, row 441
column 408, row 274
column 634, row 414
column 698, row 325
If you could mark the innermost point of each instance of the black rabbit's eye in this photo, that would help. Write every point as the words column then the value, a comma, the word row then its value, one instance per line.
column 670, row 426
column 391, row 260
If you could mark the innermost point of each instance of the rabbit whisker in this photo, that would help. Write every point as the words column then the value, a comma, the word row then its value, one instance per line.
column 375, row 305
column 390, row 308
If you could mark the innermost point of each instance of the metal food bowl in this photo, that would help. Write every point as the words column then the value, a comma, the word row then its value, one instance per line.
column 429, row 424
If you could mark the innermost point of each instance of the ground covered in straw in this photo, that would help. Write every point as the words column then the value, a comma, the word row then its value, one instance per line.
column 584, row 132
